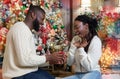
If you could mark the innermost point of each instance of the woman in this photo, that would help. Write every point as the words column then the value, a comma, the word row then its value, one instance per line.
column 85, row 55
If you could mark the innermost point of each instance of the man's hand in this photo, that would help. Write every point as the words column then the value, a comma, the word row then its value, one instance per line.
column 64, row 59
column 55, row 57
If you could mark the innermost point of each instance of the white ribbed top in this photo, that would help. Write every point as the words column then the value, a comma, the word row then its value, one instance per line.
column 20, row 53
column 83, row 61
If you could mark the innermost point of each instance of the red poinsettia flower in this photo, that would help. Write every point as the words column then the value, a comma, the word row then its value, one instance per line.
column 3, row 33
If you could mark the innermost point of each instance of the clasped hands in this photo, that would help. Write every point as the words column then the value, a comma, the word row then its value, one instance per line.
column 83, row 43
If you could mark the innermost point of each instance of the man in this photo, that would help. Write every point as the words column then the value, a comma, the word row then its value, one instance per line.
column 20, row 59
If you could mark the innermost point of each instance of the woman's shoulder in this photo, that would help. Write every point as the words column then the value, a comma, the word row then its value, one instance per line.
column 96, row 39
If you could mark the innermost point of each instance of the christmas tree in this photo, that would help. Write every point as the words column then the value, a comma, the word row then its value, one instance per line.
column 50, row 34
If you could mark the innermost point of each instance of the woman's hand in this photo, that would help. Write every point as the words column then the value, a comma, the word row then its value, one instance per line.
column 77, row 44
column 84, row 43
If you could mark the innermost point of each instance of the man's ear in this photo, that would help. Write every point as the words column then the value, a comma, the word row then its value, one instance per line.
column 33, row 15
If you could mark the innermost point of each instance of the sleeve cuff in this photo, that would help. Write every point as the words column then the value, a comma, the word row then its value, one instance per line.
column 82, row 51
column 73, row 47
column 43, row 59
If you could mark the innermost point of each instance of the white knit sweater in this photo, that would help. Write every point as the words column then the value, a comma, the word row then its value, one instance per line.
column 83, row 61
column 20, row 54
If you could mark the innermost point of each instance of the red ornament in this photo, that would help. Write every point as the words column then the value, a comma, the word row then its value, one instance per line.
column 39, row 48
column 44, row 39
column 115, row 16
column 109, row 15
column 61, row 52
column 0, row 38
column 6, row 1
column 45, row 31
column 42, row 3
column 16, row 12
column 112, row 43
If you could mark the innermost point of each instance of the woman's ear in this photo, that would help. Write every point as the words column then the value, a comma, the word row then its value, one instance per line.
column 86, row 26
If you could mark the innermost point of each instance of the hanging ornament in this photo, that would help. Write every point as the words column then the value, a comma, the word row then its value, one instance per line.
column 42, row 2
column 47, row 5
column 6, row 1
column 55, row 5
column 55, row 27
column 51, row 21
column 53, row 8
column 62, row 27
column 44, row 39
column 23, row 8
column 60, row 5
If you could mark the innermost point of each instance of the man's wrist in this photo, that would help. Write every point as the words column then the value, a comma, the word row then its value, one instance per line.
column 48, row 58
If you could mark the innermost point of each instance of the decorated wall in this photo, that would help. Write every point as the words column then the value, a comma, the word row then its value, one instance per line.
column 107, row 12
column 53, row 30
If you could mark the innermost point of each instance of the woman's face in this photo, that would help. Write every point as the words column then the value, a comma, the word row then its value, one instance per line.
column 81, row 29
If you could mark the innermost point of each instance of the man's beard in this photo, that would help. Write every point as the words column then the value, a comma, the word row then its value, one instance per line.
column 36, row 25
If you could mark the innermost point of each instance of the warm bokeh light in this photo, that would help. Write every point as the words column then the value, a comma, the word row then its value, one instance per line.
column 85, row 3
column 119, row 3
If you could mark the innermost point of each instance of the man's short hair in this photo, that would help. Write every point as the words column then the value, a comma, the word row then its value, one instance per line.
column 35, row 8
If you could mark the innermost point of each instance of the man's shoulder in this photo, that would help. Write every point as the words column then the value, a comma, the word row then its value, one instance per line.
column 17, row 26
column 18, row 23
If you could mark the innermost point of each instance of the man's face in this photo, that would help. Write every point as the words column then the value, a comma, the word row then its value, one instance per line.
column 36, row 25
column 38, row 21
